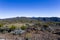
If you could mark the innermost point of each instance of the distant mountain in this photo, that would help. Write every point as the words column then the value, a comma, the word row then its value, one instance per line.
column 30, row 19
column 47, row 19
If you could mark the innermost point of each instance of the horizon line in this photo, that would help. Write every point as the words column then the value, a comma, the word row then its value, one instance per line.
column 30, row 17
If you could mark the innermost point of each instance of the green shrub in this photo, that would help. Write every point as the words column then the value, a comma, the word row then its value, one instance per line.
column 45, row 25
column 12, row 27
column 1, row 25
column 23, row 27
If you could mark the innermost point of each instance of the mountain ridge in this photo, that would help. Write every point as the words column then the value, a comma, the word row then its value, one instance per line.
column 31, row 19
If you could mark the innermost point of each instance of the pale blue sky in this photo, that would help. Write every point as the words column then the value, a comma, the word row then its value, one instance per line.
column 29, row 8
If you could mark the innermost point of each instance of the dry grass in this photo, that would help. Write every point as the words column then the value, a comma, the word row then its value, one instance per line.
column 15, row 24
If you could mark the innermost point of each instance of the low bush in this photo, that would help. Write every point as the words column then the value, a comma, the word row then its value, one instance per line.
column 12, row 27
column 23, row 27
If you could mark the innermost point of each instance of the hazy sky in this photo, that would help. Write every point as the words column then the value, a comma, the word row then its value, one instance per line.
column 29, row 8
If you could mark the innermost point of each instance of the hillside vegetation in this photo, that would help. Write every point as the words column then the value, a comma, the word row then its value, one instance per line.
column 31, row 28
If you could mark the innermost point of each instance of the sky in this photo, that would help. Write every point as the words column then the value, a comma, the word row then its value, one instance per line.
column 29, row 8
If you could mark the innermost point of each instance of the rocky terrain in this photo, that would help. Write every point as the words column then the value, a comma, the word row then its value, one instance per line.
column 22, row 28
